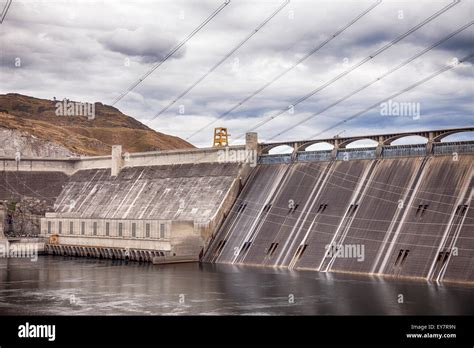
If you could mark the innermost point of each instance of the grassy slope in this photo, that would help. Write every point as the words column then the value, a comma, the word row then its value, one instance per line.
column 78, row 134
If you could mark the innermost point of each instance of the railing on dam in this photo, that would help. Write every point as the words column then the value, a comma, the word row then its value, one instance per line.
column 270, row 159
column 392, row 151
column 404, row 150
column 305, row 156
column 357, row 153
column 453, row 147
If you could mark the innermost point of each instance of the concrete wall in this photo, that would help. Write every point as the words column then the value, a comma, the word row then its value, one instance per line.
column 185, row 239
column 138, row 159
column 191, row 199
column 37, row 184
column 66, row 166
column 86, row 240
column 175, row 192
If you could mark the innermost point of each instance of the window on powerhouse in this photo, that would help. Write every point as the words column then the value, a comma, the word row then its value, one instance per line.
column 147, row 233
column 162, row 231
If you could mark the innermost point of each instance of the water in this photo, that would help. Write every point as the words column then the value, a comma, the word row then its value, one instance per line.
column 67, row 286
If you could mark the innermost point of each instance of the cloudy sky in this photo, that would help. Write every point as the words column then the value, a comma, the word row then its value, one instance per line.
column 94, row 50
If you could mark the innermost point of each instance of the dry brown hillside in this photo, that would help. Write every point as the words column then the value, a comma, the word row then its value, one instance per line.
column 79, row 134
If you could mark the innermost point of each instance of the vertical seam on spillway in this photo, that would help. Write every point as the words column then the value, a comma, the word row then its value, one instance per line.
column 275, row 185
column 449, row 226
column 321, row 186
column 263, row 217
column 345, row 221
column 366, row 180
column 219, row 229
column 419, row 175
column 311, row 201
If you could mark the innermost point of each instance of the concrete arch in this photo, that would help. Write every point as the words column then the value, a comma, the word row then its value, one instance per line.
column 305, row 146
column 287, row 148
column 410, row 140
column 469, row 132
column 266, row 148
column 342, row 143
column 390, row 140
column 359, row 143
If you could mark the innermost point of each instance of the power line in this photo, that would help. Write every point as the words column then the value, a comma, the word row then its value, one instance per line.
column 5, row 10
column 176, row 48
column 307, row 55
column 354, row 67
column 409, row 60
column 420, row 82
column 231, row 52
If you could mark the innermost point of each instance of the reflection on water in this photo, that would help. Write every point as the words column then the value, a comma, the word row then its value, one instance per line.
column 61, row 285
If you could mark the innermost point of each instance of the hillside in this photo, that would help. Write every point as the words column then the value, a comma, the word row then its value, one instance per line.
column 34, row 118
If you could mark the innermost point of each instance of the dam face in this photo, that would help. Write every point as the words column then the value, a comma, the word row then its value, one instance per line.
column 401, row 211
column 408, row 217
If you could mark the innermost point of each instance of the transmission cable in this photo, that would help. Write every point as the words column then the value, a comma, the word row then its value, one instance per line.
column 307, row 55
column 231, row 52
column 354, row 67
column 420, row 82
column 409, row 60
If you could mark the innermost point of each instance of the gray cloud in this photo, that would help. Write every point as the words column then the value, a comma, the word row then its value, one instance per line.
column 139, row 43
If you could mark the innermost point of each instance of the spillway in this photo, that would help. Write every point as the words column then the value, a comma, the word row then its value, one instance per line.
column 404, row 216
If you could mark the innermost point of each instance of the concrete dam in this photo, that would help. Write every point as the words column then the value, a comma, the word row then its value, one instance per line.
column 394, row 217
column 391, row 210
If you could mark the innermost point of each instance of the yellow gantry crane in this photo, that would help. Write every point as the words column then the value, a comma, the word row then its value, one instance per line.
column 221, row 137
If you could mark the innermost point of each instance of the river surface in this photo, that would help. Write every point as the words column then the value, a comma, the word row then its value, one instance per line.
column 55, row 285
